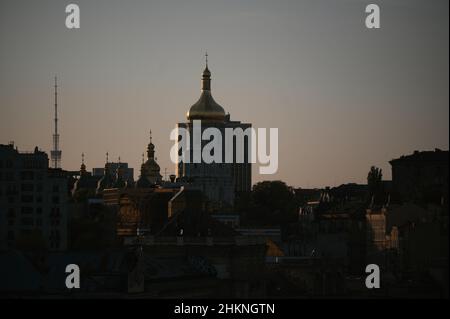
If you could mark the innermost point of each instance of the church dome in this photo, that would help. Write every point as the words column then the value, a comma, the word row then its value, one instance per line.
column 105, row 182
column 143, row 182
column 206, row 108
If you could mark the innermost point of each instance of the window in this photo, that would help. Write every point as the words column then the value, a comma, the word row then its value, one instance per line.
column 10, row 235
column 27, row 175
column 27, row 199
column 11, row 190
column 27, row 221
column 27, row 187
column 27, row 210
column 9, row 176
column 11, row 213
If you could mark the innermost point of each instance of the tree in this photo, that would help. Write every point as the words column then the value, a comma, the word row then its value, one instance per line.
column 375, row 184
column 273, row 202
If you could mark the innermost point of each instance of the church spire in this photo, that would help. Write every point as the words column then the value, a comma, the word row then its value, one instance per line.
column 83, row 166
column 151, row 148
column 206, row 76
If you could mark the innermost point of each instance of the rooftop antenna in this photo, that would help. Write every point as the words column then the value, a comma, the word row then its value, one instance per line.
column 55, row 153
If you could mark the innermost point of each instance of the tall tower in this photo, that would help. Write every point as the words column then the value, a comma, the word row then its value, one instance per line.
column 56, row 152
column 221, row 182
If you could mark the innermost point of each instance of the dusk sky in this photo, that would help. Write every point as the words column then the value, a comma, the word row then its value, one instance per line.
column 342, row 96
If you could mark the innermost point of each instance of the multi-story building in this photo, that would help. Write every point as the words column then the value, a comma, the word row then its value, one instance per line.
column 220, row 181
column 421, row 176
column 127, row 172
column 33, row 199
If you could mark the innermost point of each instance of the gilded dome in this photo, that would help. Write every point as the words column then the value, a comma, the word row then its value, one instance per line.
column 206, row 108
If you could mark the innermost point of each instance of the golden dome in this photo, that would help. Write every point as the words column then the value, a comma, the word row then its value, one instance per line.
column 206, row 108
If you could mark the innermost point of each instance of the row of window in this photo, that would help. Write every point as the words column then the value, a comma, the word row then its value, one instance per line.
column 9, row 176
column 28, row 199
column 12, row 189
column 27, row 163
column 29, row 221
column 54, row 238
column 6, row 164
column 54, row 212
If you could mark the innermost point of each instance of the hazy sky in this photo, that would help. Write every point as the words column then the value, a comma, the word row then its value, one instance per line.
column 343, row 97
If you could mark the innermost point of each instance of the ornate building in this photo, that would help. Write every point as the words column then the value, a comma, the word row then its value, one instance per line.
column 150, row 169
column 220, row 182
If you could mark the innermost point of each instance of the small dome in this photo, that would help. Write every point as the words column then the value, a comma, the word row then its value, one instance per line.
column 143, row 182
column 105, row 182
column 206, row 72
column 119, row 182
column 129, row 184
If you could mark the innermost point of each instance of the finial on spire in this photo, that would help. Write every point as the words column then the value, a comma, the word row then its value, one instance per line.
column 206, row 58
column 82, row 158
column 119, row 159
column 107, row 157
column 150, row 136
column 143, row 158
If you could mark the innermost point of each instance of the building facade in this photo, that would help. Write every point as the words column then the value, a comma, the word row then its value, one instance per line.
column 33, row 200
column 220, row 182
column 421, row 176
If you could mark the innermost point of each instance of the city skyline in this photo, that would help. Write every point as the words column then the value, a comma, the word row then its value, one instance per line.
column 119, row 79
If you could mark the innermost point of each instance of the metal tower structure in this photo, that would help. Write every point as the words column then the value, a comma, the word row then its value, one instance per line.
column 55, row 153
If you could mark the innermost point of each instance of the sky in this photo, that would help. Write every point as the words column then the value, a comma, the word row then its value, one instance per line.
column 343, row 97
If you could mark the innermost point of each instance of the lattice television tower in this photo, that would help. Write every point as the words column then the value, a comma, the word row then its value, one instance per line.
column 56, row 152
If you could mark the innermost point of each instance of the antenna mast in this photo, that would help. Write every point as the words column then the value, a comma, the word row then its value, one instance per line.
column 55, row 154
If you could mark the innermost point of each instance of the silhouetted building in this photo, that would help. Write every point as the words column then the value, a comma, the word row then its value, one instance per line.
column 33, row 201
column 111, row 169
column 421, row 176
column 220, row 182
column 85, row 183
column 150, row 169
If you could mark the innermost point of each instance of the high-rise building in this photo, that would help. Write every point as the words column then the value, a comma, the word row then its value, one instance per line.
column 33, row 200
column 220, row 182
